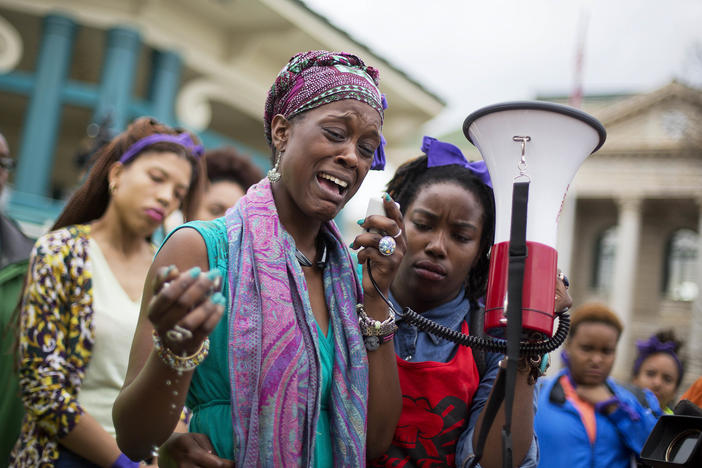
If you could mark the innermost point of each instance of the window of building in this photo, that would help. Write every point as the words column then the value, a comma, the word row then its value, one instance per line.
column 605, row 254
column 680, row 271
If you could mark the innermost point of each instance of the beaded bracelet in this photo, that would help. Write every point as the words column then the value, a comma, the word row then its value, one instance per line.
column 371, row 327
column 180, row 363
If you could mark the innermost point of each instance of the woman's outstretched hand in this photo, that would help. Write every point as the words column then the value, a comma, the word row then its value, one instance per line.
column 384, row 243
column 185, row 307
column 186, row 450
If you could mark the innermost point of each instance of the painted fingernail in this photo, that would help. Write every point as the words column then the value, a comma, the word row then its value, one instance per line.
column 195, row 272
column 213, row 274
column 361, row 221
column 218, row 298
column 387, row 196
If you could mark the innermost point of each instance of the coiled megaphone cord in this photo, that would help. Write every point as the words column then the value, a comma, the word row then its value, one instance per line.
column 490, row 344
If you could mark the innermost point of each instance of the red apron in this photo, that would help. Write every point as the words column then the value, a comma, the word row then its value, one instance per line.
column 436, row 399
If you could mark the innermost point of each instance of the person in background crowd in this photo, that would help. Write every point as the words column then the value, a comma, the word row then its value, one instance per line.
column 14, row 244
column 658, row 367
column 584, row 418
column 81, row 301
column 14, row 258
column 449, row 224
column 694, row 393
column 229, row 175
column 284, row 379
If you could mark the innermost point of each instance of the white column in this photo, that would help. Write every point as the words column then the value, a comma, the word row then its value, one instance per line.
column 564, row 245
column 694, row 340
column 566, row 233
column 625, row 267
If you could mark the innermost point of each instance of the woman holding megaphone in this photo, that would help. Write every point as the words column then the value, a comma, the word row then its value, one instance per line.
column 449, row 223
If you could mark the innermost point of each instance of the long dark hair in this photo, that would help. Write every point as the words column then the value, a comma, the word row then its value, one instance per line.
column 90, row 201
column 414, row 175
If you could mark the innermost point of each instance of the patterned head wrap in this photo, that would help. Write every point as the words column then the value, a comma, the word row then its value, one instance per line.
column 317, row 77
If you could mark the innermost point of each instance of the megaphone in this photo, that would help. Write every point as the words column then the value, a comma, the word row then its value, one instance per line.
column 544, row 144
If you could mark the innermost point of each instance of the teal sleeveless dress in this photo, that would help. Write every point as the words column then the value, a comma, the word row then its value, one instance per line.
column 210, row 390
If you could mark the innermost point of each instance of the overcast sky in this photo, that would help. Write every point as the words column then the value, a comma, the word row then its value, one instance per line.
column 475, row 53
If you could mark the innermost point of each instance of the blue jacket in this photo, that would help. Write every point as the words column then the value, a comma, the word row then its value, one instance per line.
column 563, row 441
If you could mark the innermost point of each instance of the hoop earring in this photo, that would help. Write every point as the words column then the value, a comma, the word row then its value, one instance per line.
column 274, row 174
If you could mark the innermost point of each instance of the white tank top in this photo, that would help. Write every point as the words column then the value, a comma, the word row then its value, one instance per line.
column 114, row 321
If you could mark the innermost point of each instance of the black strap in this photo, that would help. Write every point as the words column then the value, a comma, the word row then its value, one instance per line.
column 489, row 413
column 517, row 259
column 476, row 327
column 503, row 388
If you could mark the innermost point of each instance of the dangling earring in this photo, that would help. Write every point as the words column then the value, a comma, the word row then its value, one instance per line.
column 274, row 174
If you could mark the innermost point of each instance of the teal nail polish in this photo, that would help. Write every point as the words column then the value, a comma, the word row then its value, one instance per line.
column 387, row 196
column 218, row 298
column 195, row 272
column 351, row 245
column 212, row 274
column 361, row 221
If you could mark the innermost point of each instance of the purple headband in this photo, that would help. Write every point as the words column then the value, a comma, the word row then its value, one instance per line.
column 182, row 139
column 317, row 77
column 653, row 346
column 440, row 153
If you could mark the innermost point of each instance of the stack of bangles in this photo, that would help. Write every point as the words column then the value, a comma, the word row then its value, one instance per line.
column 180, row 363
column 375, row 332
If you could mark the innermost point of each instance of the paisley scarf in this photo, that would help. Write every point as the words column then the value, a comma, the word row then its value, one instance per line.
column 274, row 364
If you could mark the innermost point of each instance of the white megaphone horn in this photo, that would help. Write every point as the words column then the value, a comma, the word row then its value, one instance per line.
column 544, row 144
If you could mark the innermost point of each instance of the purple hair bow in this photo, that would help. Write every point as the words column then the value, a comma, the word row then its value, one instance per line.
column 378, row 163
column 652, row 346
column 440, row 153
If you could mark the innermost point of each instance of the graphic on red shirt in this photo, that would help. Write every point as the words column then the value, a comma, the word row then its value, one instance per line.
column 435, row 404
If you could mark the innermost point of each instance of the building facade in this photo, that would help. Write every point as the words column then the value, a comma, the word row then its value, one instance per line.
column 69, row 68
column 629, row 233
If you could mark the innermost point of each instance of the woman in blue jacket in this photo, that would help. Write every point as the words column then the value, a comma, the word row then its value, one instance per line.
column 584, row 418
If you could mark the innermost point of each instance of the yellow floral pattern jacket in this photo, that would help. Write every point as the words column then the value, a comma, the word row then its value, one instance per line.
column 56, row 339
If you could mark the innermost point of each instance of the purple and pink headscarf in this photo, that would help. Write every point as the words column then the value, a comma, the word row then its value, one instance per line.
column 317, row 77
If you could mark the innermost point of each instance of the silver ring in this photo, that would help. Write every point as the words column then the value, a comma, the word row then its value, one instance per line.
column 397, row 235
column 174, row 336
column 187, row 334
column 386, row 246
column 178, row 334
column 562, row 276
